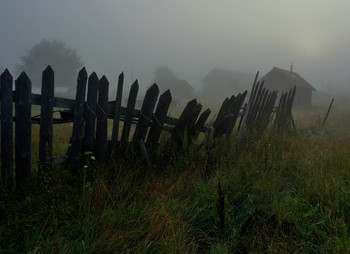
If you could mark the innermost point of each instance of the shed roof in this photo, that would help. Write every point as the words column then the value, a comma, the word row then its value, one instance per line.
column 291, row 78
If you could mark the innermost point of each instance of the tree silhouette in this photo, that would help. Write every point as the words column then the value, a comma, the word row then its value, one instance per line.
column 64, row 61
column 163, row 73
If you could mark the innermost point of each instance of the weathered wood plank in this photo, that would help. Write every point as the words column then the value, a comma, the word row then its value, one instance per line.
column 255, row 105
column 246, row 113
column 182, row 123
column 159, row 117
column 222, row 111
column 76, row 149
column 228, row 121
column 6, row 129
column 101, row 128
column 146, row 112
column 200, row 122
column 117, row 111
column 46, row 121
column 192, row 121
column 129, row 110
column 235, row 112
column 91, row 105
column 23, row 128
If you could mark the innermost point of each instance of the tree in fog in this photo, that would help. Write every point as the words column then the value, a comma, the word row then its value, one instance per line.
column 1, row 70
column 64, row 60
column 163, row 73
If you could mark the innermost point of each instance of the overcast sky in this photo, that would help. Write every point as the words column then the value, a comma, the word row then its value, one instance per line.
column 190, row 36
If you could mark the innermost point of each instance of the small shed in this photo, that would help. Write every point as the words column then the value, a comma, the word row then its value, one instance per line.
column 221, row 83
column 284, row 80
column 180, row 90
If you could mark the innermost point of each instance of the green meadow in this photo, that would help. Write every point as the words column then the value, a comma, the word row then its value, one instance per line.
column 275, row 193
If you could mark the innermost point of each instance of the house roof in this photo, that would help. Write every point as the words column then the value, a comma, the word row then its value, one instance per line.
column 178, row 88
column 216, row 75
column 291, row 78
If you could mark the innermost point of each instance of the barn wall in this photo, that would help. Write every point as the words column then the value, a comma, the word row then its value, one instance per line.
column 303, row 98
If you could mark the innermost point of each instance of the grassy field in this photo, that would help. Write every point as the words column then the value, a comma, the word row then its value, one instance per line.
column 274, row 194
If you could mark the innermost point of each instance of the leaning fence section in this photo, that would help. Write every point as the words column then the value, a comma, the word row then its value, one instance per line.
column 90, row 110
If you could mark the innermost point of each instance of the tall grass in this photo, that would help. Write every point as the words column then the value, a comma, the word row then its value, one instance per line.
column 278, row 194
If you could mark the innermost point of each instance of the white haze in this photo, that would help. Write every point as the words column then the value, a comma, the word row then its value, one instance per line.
column 190, row 36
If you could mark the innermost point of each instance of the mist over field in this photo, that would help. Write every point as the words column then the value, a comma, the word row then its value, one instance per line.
column 198, row 156
column 190, row 37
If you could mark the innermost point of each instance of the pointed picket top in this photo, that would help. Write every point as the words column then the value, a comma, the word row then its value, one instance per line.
column 93, row 76
column 166, row 94
column 48, row 76
column 6, row 73
column 48, row 69
column 104, row 80
column 192, row 103
column 82, row 73
column 153, row 88
column 134, row 89
column 23, row 76
column 93, row 79
column 6, row 76
column 135, row 84
column 121, row 75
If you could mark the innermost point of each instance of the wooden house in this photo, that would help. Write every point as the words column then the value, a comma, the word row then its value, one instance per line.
column 221, row 83
column 181, row 90
column 283, row 80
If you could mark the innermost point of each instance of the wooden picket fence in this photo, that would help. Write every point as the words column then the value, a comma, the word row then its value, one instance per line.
column 89, row 117
column 261, row 106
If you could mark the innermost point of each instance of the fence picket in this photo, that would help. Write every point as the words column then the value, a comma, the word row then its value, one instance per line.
column 76, row 148
column 91, row 104
column 182, row 123
column 146, row 112
column 247, row 109
column 198, row 127
column 192, row 121
column 221, row 114
column 46, row 120
column 23, row 127
column 6, row 129
column 116, row 115
column 129, row 110
column 102, row 109
column 159, row 117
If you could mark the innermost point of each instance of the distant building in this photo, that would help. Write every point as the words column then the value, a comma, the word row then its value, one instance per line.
column 283, row 80
column 221, row 83
column 181, row 90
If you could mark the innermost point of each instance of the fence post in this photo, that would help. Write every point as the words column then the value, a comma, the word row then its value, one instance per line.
column 129, row 109
column 159, row 117
column 118, row 103
column 146, row 112
column 23, row 127
column 6, row 129
column 102, row 111
column 46, row 120
column 76, row 148
column 91, row 102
